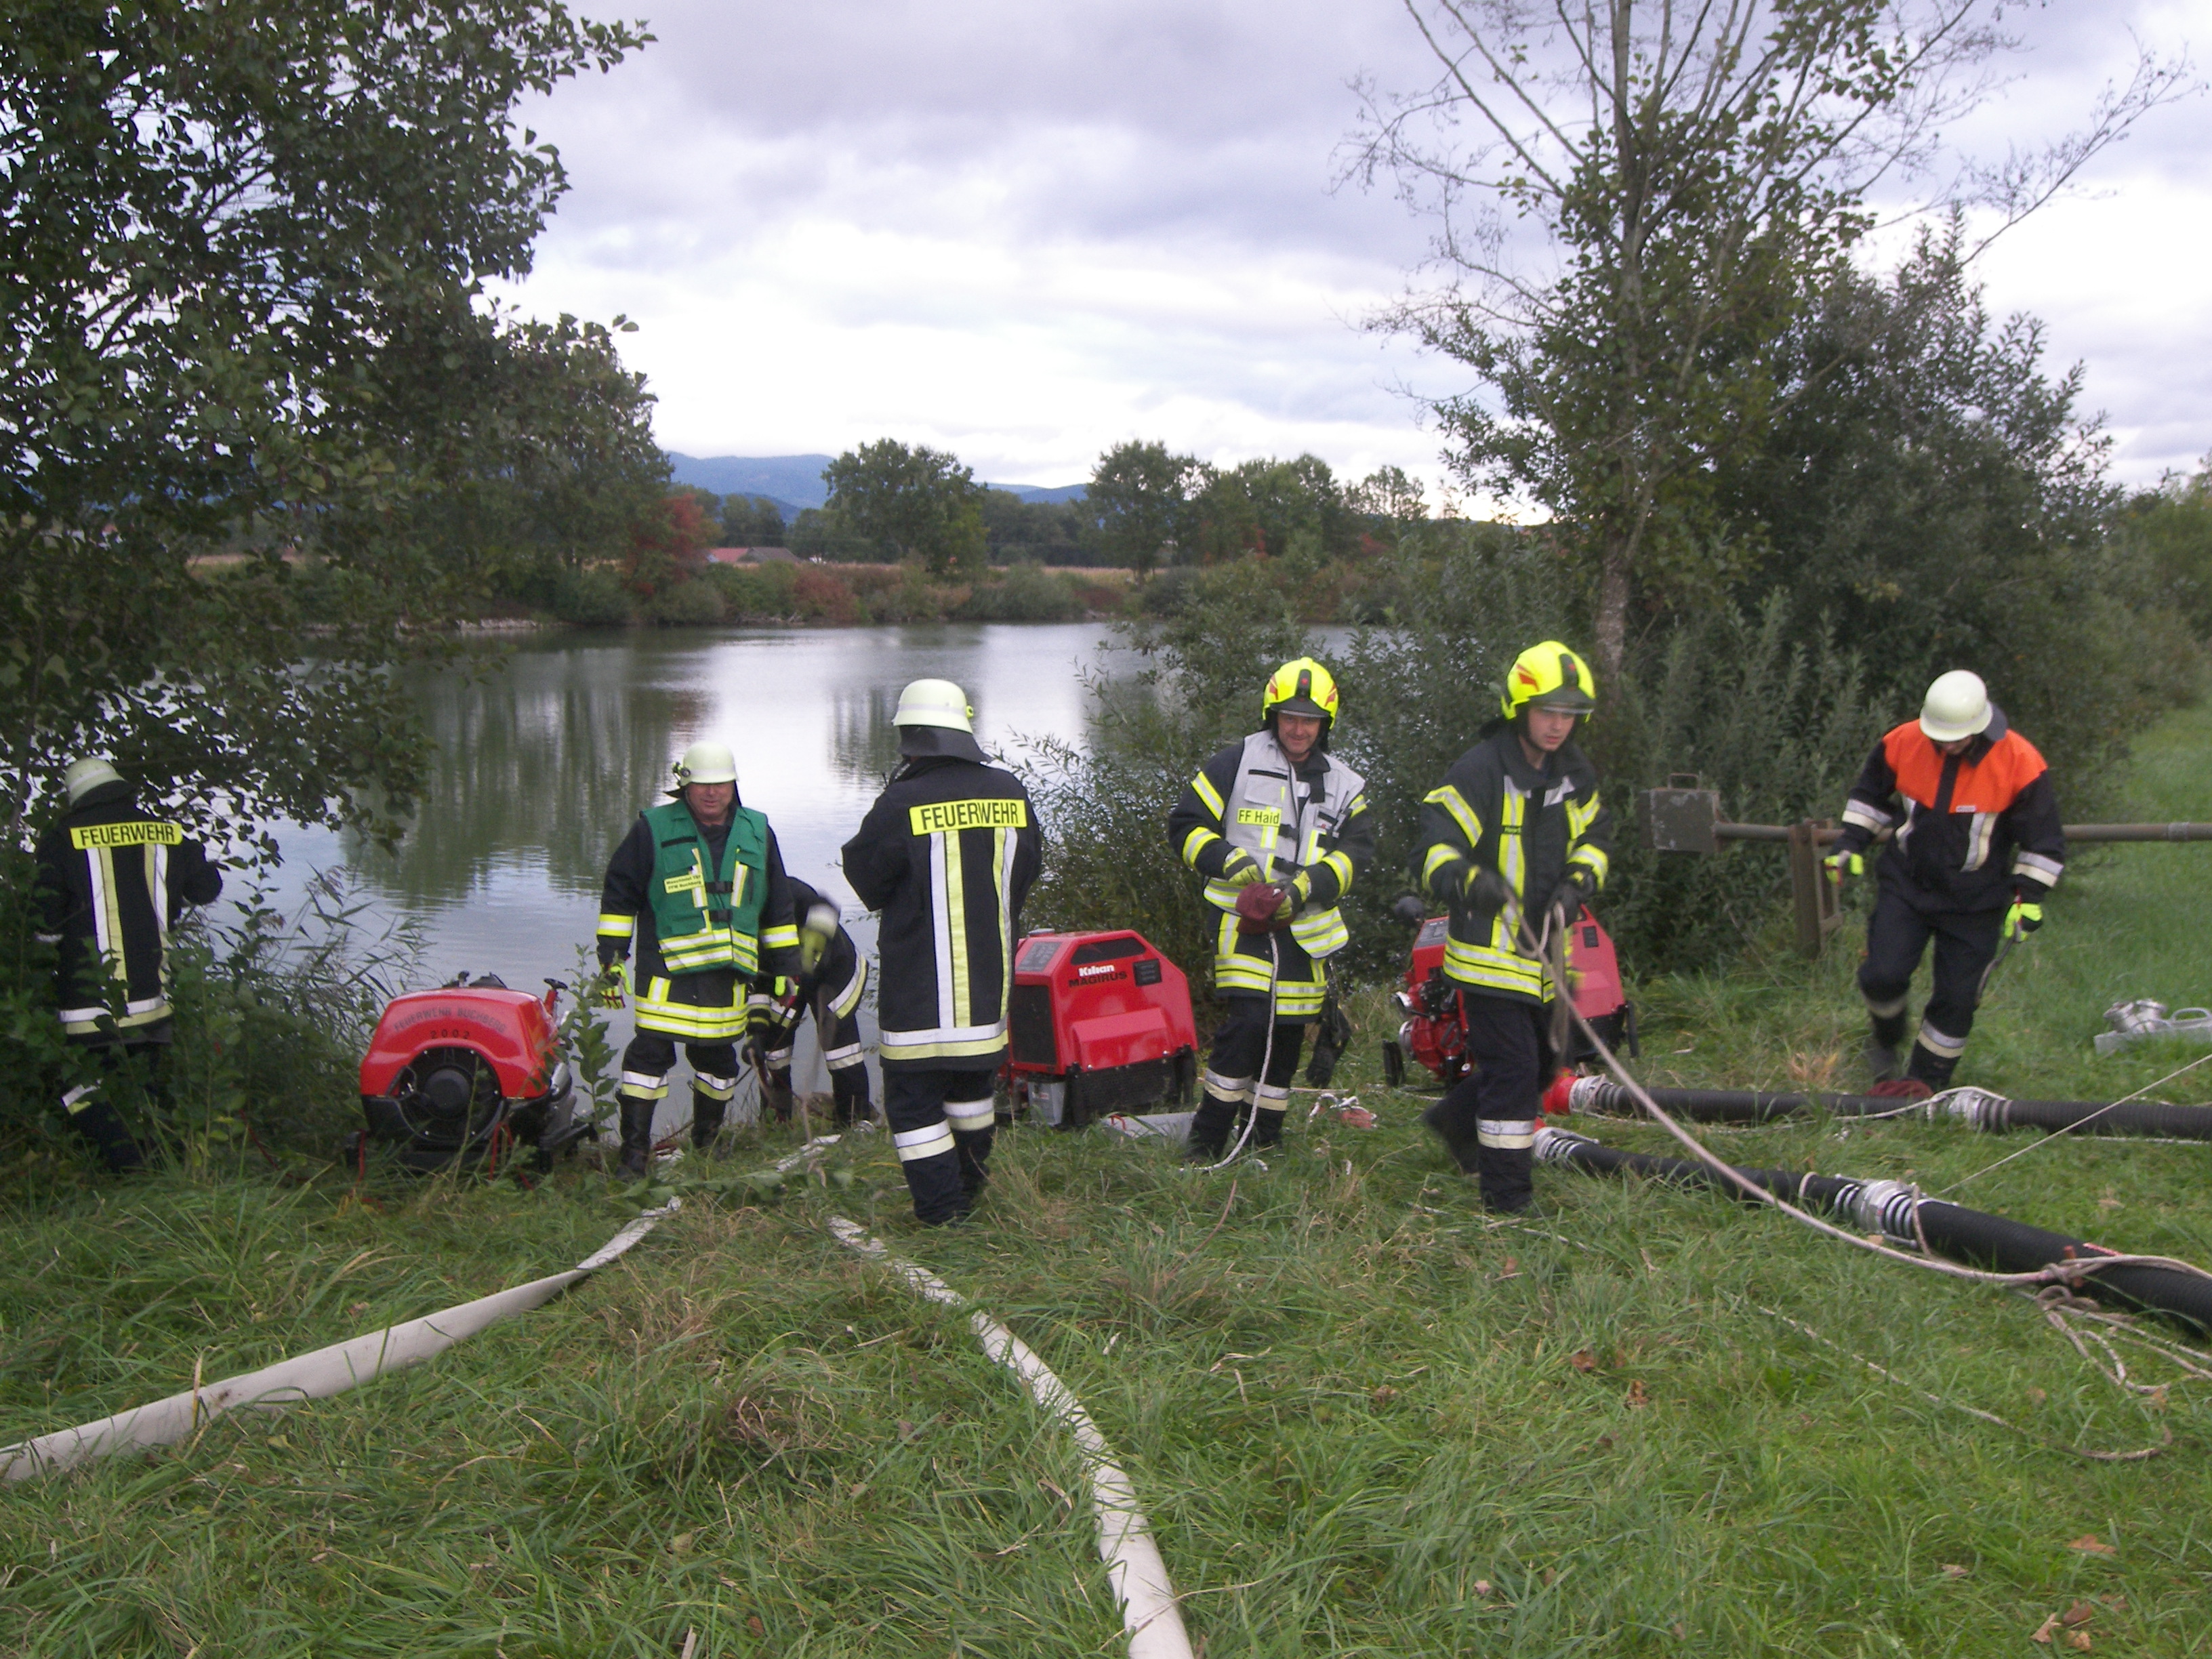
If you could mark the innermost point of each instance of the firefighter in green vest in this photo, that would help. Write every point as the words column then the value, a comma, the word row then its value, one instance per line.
column 698, row 888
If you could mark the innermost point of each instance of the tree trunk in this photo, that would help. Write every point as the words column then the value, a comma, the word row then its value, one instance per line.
column 1613, row 608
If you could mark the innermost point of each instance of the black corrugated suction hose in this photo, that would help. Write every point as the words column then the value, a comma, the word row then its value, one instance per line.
column 1951, row 1231
column 1976, row 1107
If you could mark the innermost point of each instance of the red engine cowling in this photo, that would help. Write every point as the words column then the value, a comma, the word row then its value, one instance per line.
column 455, row 1074
column 1435, row 1036
column 1100, row 1022
column 511, row 1029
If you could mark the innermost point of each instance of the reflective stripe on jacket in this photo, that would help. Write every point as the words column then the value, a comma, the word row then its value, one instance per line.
column 1313, row 819
column 757, row 936
column 111, row 881
column 1972, row 829
column 707, row 918
column 1495, row 811
column 947, row 854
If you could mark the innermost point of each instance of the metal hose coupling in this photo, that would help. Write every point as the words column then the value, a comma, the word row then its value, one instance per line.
column 1557, row 1145
column 1884, row 1206
column 1978, row 1109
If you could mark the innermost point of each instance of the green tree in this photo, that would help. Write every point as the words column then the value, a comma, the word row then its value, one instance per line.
column 1139, row 497
column 1931, row 495
column 752, row 521
column 1261, row 506
column 920, row 502
column 245, row 242
column 1699, row 174
column 2168, row 532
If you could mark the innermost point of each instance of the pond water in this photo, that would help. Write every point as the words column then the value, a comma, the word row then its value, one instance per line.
column 541, row 768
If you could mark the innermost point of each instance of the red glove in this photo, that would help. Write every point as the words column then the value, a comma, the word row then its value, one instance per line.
column 1256, row 905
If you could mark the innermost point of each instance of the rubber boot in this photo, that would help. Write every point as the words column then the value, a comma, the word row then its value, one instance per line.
column 848, row 1101
column 1507, row 1176
column 1452, row 1119
column 1268, row 1130
column 100, row 1123
column 1210, row 1125
column 777, row 1093
column 707, row 1113
column 637, row 1160
column 940, row 1196
column 1885, row 1033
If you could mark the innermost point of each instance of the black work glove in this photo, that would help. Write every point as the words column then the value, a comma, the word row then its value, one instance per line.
column 1486, row 888
column 1573, row 892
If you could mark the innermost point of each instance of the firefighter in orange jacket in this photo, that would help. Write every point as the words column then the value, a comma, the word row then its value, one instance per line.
column 1974, row 845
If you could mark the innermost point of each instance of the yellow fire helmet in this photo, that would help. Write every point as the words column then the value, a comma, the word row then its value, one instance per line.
column 1549, row 676
column 1300, row 687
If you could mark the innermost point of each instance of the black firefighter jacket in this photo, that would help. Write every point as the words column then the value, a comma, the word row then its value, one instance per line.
column 948, row 852
column 111, row 882
column 1970, row 831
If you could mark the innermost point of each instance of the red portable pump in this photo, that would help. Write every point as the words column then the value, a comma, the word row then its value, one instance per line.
column 1100, row 1022
column 1435, row 1034
column 457, row 1072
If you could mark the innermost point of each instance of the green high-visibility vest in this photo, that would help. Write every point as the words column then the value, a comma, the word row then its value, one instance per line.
column 707, row 917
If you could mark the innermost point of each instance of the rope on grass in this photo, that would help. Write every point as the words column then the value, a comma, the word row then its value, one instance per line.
column 1889, row 1376
column 1149, row 1612
column 317, row 1376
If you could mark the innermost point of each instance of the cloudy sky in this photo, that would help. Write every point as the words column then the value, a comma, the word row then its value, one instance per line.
column 1025, row 232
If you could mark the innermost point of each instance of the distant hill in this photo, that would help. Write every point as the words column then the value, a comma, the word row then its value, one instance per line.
column 792, row 481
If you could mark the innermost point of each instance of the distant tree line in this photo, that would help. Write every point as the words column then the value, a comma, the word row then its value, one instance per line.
column 1144, row 508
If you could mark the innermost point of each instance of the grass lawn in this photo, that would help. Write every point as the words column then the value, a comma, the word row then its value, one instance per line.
column 1364, row 1417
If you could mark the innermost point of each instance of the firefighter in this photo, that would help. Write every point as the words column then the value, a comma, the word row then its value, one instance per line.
column 111, row 881
column 698, row 886
column 833, row 976
column 947, row 854
column 1273, row 811
column 1516, row 840
column 1973, row 848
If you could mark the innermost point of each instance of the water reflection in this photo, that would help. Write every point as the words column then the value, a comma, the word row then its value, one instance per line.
column 540, row 769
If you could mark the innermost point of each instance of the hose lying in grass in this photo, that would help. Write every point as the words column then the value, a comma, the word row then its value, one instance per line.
column 316, row 1375
column 1900, row 1213
column 1976, row 1108
column 1150, row 1612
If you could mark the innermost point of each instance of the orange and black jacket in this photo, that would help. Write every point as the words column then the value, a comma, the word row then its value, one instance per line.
column 1968, row 830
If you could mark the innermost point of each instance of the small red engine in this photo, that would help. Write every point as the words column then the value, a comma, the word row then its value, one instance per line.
column 451, row 1073
column 1100, row 1022
column 1435, row 1034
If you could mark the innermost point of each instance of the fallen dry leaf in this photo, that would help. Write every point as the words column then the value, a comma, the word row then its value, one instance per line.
column 2080, row 1614
column 1383, row 1394
column 1512, row 1269
column 2089, row 1544
column 681, row 1544
column 1483, row 1587
column 1638, row 1399
column 2078, row 1638
column 1547, row 1576
column 2042, row 1632
column 753, row 1624
column 1953, row 1570
column 1681, row 1631
column 1583, row 1360
column 905, row 1430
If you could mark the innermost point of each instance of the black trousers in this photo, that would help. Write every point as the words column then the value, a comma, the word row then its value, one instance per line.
column 1494, row 1107
column 942, row 1125
column 91, row 1108
column 1233, row 1083
column 1966, row 944
column 840, row 1036
column 650, row 1057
